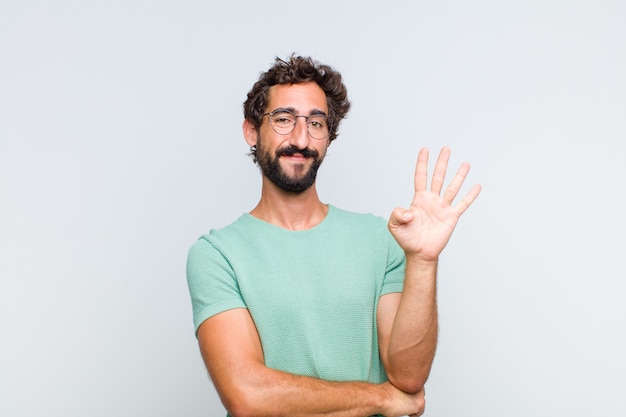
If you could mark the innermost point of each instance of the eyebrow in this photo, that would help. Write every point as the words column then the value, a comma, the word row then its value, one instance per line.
column 293, row 110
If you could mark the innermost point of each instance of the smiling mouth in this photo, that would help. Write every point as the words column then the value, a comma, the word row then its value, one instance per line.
column 297, row 156
column 292, row 151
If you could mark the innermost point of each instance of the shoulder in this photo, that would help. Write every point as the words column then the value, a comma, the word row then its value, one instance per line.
column 359, row 228
column 216, row 239
column 234, row 230
column 357, row 219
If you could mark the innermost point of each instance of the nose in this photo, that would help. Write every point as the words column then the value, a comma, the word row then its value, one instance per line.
column 300, row 135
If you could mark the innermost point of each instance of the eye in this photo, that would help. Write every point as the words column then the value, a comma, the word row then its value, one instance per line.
column 283, row 119
column 317, row 122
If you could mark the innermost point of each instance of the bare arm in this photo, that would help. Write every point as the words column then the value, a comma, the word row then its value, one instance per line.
column 408, row 329
column 232, row 352
column 407, row 322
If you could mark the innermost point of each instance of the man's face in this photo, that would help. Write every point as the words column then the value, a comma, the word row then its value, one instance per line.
column 291, row 161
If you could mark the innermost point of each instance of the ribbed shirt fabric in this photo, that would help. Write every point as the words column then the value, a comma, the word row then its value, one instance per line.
column 312, row 294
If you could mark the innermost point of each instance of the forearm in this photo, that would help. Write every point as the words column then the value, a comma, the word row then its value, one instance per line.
column 413, row 338
column 233, row 354
column 267, row 392
column 408, row 322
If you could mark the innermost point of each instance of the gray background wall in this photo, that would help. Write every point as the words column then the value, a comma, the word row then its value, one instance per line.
column 120, row 144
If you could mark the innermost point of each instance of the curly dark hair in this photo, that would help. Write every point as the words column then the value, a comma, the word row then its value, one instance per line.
column 298, row 70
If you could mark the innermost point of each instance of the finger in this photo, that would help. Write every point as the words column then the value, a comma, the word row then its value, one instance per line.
column 468, row 199
column 456, row 183
column 400, row 216
column 421, row 170
column 439, row 174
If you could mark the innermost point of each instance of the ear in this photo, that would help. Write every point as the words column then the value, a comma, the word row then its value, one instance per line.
column 250, row 133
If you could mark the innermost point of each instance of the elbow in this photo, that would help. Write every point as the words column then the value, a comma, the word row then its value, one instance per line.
column 246, row 403
column 240, row 404
column 409, row 378
column 410, row 385
column 239, row 408
column 238, row 412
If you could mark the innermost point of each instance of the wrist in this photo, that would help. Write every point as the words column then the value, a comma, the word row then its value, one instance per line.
column 420, row 262
column 387, row 398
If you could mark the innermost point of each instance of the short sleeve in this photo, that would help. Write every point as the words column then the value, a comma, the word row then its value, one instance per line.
column 396, row 266
column 212, row 282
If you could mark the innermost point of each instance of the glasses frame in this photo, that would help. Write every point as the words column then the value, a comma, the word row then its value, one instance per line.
column 293, row 127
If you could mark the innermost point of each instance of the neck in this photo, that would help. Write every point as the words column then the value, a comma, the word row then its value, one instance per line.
column 290, row 211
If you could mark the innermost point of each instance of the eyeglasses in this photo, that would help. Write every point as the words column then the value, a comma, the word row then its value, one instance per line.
column 283, row 122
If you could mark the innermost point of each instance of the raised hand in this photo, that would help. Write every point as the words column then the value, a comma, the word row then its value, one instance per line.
column 425, row 228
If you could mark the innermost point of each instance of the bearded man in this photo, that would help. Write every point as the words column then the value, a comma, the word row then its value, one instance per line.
column 302, row 308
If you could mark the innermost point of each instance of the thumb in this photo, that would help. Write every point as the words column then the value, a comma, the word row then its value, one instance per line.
column 400, row 216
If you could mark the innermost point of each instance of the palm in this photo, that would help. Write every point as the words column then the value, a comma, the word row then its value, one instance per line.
column 425, row 228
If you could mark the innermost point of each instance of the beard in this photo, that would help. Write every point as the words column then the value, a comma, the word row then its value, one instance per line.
column 301, row 181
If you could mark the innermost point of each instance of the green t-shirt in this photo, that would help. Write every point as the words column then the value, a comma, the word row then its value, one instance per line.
column 312, row 294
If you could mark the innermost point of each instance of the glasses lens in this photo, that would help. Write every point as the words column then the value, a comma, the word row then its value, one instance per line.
column 318, row 126
column 283, row 122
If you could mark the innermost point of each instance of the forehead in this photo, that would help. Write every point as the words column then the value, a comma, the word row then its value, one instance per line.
column 303, row 97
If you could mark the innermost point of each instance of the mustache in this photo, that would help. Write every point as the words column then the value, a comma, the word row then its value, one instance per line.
column 292, row 150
